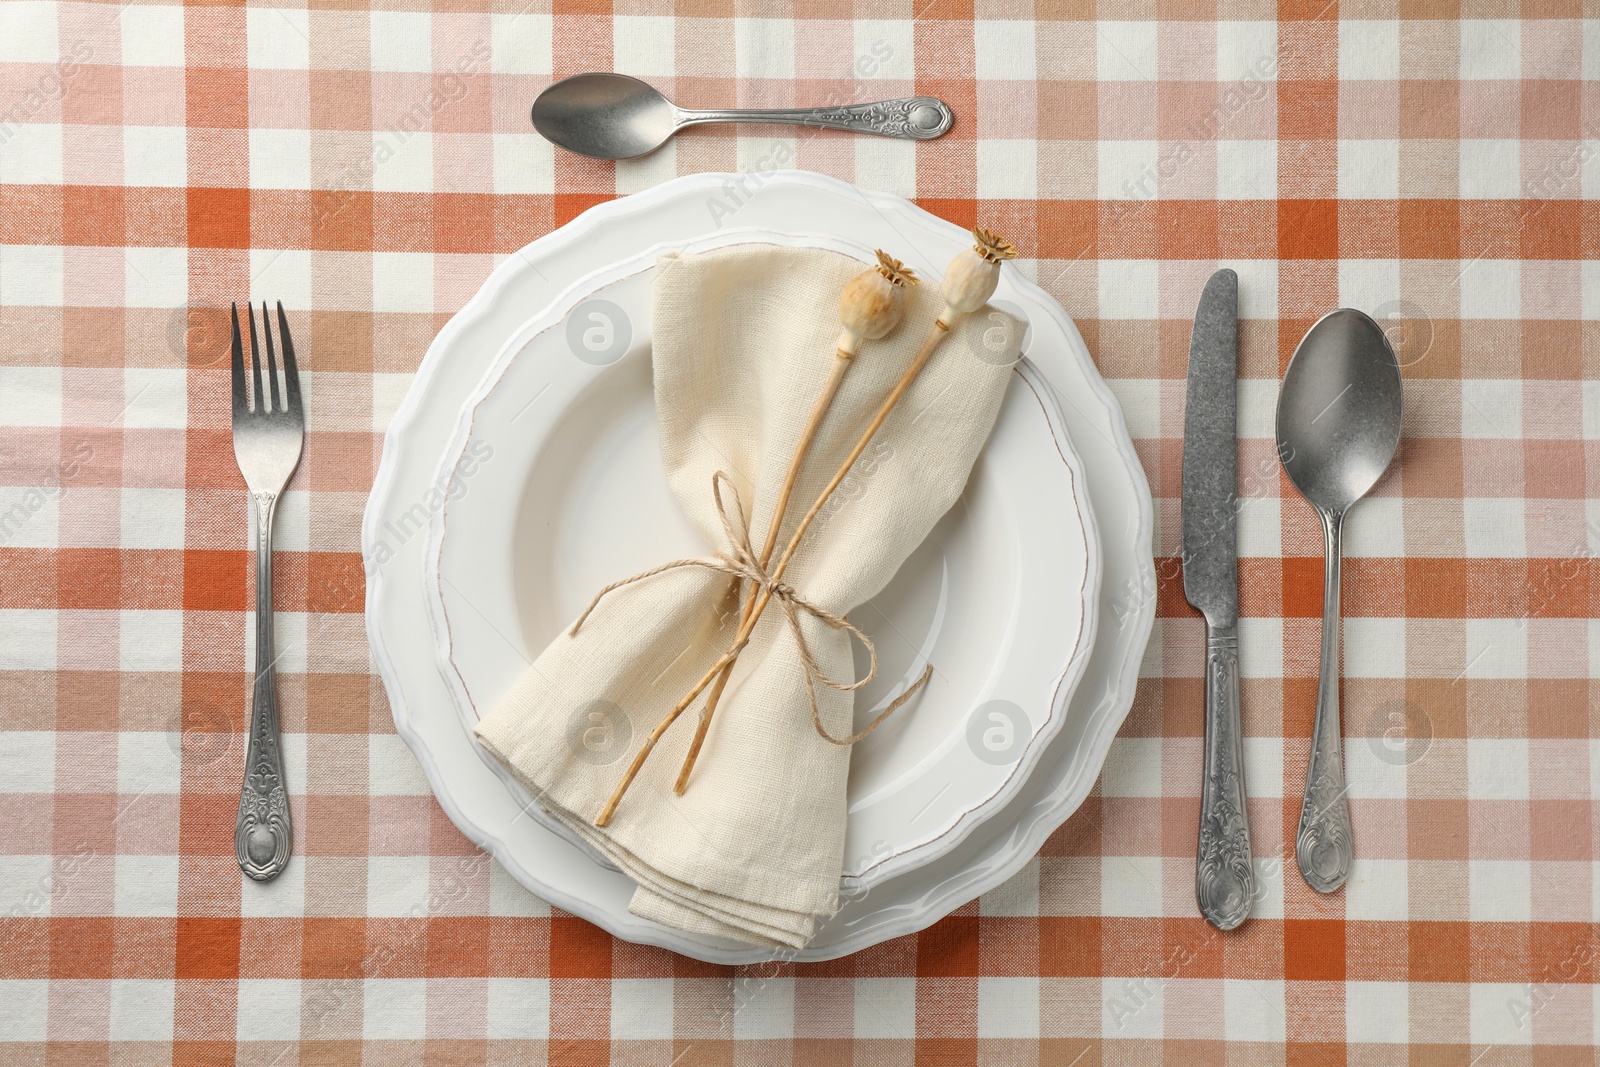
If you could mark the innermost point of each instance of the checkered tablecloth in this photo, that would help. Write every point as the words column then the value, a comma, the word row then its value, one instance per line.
column 1434, row 162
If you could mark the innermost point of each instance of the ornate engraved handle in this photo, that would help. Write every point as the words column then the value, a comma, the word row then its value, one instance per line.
column 262, row 835
column 918, row 118
column 1224, row 880
column 1323, row 847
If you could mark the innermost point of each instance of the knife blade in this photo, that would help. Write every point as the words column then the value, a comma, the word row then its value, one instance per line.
column 1224, row 876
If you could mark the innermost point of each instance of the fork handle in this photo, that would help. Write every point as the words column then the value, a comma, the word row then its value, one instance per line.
column 262, row 835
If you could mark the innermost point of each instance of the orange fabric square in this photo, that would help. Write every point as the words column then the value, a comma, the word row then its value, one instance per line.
column 219, row 218
column 1308, row 229
column 1314, row 950
column 578, row 949
column 207, row 948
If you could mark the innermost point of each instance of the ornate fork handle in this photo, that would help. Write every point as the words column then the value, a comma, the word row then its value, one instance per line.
column 1224, row 878
column 263, row 832
column 917, row 117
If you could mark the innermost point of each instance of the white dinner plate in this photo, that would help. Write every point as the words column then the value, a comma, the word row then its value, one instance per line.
column 678, row 212
column 561, row 490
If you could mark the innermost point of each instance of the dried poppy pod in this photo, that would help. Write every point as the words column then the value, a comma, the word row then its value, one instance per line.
column 971, row 278
column 873, row 302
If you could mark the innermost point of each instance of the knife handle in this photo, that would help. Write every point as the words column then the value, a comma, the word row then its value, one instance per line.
column 1224, row 880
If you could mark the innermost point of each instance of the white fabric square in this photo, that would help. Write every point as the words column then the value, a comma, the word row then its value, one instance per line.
column 1374, row 648
column 279, row 38
column 147, row 886
column 1260, row 522
column 886, row 1007
column 1131, row 885
column 1261, row 648
column 518, row 1009
column 30, row 515
column 157, row 278
column 763, row 1008
column 763, row 48
column 27, row 757
column 1375, row 767
column 26, row 883
column 1263, row 766
column 1008, row 1008
column 148, row 761
column 24, row 1009
column 269, row 1009
column 29, row 275
column 32, row 154
column 1376, row 890
column 1493, row 527
column 402, row 164
column 402, row 41
column 1496, row 648
column 521, row 43
column 1247, row 50
column 30, row 645
column 1368, row 283
column 641, row 1009
column 402, row 282
column 396, row 1009
column 1129, row 289
column 29, row 395
column 1004, row 51
column 1017, row 895
column 279, row 159
column 397, row 886
column 1127, row 170
column 1132, row 768
column 1491, row 289
column 156, row 155
column 284, row 896
column 524, row 163
column 1501, row 891
column 1491, row 48
column 1134, row 1007
column 1500, row 1013
column 152, row 639
column 1369, row 169
column 885, row 49
column 392, row 770
column 887, row 164
column 1126, row 51
column 1377, row 529
column 641, row 45
column 1006, row 170
column 156, row 398
column 152, row 35
column 152, row 518
column 1377, row 1012
column 1247, row 170
column 1253, row 1009
column 284, row 276
column 1369, row 49
column 508, row 897
column 31, row 34
column 1490, row 169
column 1270, row 868
column 1497, row 768
column 1258, row 286
column 1491, row 408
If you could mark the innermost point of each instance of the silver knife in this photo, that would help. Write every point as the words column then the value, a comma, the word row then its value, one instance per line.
column 1224, row 880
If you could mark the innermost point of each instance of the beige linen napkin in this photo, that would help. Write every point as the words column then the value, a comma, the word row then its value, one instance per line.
column 743, row 338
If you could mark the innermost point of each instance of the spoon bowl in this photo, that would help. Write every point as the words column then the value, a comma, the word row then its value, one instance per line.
column 613, row 116
column 1338, row 426
column 1339, row 410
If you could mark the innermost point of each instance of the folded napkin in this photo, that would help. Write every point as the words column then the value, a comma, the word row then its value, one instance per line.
column 743, row 339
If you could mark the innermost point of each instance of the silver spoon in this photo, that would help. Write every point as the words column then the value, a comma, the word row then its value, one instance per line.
column 613, row 116
column 1338, row 426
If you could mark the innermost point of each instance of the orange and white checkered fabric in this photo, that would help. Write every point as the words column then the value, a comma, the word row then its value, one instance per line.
column 1434, row 162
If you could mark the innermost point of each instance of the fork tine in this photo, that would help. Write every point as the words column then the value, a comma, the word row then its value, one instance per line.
column 239, row 407
column 291, row 372
column 272, row 359
column 255, row 364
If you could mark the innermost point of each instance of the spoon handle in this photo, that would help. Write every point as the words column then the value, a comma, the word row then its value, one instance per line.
column 1323, row 847
column 919, row 118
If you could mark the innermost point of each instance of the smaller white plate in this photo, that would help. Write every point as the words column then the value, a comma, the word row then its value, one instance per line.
column 560, row 490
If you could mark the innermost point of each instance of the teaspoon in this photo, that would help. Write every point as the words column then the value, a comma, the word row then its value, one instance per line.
column 613, row 116
column 1338, row 426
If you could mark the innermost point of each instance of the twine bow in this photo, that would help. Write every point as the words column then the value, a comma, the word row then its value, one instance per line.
column 739, row 560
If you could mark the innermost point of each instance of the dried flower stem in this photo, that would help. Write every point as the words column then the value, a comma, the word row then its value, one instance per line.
column 940, row 330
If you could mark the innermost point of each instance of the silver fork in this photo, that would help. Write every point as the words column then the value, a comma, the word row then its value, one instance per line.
column 267, row 437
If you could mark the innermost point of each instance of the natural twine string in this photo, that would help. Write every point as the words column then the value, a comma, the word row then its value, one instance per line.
column 739, row 560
